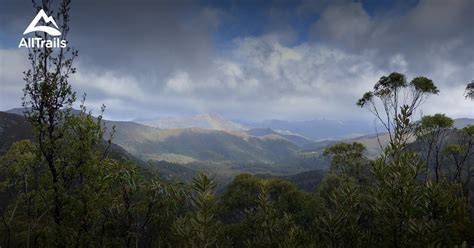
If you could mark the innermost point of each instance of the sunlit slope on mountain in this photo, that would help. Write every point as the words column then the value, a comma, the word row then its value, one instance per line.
column 232, row 148
column 317, row 129
column 196, row 144
column 293, row 138
column 191, row 144
column 374, row 142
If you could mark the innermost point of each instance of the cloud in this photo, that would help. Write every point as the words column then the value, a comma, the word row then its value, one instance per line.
column 425, row 35
column 12, row 66
column 110, row 84
column 180, row 82
column 145, row 59
column 347, row 24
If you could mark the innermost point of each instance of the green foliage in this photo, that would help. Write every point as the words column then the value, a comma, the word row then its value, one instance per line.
column 469, row 93
column 17, row 191
column 80, row 197
column 454, row 149
column 397, row 102
column 265, row 226
column 405, row 211
column 340, row 221
column 432, row 133
column 200, row 227
column 366, row 98
column 468, row 131
column 425, row 85
column 409, row 212
column 459, row 154
column 433, row 123
column 348, row 159
column 389, row 84
column 63, row 190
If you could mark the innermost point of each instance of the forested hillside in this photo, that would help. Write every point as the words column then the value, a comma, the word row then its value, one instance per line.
column 65, row 183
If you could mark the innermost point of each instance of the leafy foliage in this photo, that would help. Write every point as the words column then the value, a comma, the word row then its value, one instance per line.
column 63, row 189
column 470, row 90
column 397, row 99
column 432, row 132
column 200, row 227
column 348, row 159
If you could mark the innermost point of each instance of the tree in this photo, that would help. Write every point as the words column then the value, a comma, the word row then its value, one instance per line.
column 398, row 100
column 200, row 227
column 411, row 213
column 340, row 222
column 431, row 133
column 48, row 100
column 407, row 211
column 240, row 194
column 469, row 93
column 460, row 153
column 21, row 206
column 70, row 147
column 348, row 159
column 267, row 226
column 136, row 211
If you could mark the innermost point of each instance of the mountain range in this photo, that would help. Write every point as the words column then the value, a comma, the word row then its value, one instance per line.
column 206, row 121
column 181, row 152
column 216, row 145
column 315, row 130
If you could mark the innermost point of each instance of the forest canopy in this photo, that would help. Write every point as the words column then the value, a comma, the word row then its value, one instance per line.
column 64, row 188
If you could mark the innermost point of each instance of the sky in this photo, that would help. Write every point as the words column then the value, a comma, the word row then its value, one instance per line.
column 251, row 60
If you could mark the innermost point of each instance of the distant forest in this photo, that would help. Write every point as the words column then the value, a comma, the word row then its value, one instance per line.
column 68, row 188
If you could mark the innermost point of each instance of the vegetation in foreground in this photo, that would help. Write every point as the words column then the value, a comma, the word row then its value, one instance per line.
column 63, row 190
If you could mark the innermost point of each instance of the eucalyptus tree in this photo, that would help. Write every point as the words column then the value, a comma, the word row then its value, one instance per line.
column 393, row 101
column 406, row 211
column 469, row 93
column 431, row 133
column 348, row 159
column 460, row 153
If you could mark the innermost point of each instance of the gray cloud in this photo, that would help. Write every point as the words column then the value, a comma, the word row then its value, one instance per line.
column 149, row 58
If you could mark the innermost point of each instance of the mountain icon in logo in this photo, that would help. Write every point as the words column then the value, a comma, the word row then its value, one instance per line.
column 47, row 19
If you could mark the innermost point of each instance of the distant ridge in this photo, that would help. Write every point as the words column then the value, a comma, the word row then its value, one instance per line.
column 21, row 111
column 318, row 129
column 205, row 121
column 183, row 145
column 314, row 130
column 215, row 139
column 293, row 138
column 463, row 122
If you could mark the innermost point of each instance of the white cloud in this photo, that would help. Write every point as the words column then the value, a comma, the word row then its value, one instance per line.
column 179, row 82
column 109, row 83
column 12, row 65
column 266, row 76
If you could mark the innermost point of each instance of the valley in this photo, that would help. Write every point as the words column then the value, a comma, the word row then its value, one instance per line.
column 211, row 144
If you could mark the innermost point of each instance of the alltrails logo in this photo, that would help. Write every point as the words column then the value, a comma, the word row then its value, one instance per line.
column 40, row 42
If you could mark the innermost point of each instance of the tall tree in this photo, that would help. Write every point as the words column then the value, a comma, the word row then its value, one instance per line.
column 348, row 159
column 460, row 153
column 396, row 99
column 68, row 141
column 431, row 133
column 200, row 228
column 48, row 100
